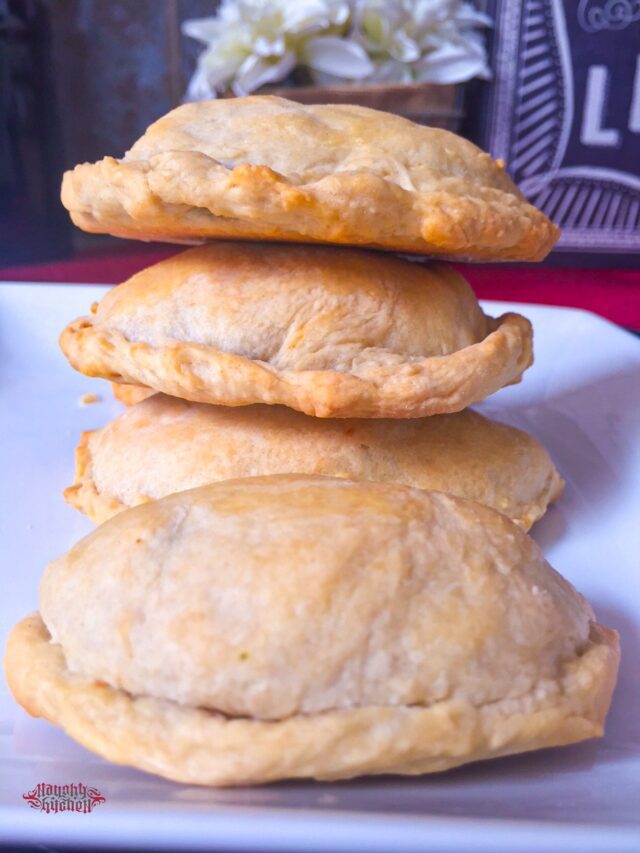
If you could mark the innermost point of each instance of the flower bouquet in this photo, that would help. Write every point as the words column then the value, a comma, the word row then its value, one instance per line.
column 406, row 56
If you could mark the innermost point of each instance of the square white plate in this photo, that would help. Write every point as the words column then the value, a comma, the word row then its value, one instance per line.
column 581, row 399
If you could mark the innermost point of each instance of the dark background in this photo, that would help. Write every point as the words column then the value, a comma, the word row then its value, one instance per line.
column 79, row 79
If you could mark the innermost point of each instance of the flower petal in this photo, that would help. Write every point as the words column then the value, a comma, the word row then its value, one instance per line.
column 256, row 71
column 403, row 48
column 391, row 71
column 340, row 57
column 470, row 16
column 429, row 14
column 264, row 46
column 313, row 15
column 213, row 73
column 199, row 88
column 451, row 64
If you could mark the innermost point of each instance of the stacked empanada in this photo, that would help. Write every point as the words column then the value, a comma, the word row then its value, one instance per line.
column 311, row 559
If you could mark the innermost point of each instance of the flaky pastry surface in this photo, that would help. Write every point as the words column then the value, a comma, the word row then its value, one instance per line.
column 263, row 168
column 330, row 332
column 164, row 445
column 304, row 626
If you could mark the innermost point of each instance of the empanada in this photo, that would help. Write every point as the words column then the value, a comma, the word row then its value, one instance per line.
column 283, row 627
column 164, row 445
column 263, row 168
column 331, row 332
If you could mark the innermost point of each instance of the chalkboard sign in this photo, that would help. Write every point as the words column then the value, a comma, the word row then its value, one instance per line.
column 563, row 111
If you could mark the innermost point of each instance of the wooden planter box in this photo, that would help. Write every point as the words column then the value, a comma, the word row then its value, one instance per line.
column 425, row 103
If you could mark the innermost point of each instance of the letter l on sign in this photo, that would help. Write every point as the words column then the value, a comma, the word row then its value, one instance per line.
column 592, row 132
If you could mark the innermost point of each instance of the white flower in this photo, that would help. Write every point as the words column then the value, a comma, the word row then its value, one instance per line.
column 253, row 42
column 433, row 41
column 250, row 43
column 338, row 56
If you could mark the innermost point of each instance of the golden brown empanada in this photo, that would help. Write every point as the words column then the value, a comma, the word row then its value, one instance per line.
column 331, row 332
column 164, row 445
column 284, row 627
column 263, row 168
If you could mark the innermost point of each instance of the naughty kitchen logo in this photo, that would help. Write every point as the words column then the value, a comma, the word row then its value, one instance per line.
column 52, row 799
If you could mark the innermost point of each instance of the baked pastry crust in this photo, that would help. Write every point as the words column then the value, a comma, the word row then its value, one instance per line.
column 329, row 332
column 201, row 747
column 264, row 168
column 164, row 445
column 129, row 395
column 304, row 626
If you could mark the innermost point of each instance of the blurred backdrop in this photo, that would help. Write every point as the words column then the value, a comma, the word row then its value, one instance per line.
column 79, row 79
column 550, row 86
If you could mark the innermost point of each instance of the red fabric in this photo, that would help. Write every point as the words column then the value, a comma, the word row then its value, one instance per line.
column 612, row 293
column 106, row 266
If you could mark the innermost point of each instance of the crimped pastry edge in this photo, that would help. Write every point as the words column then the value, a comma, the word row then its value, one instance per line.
column 146, row 200
column 83, row 494
column 198, row 746
column 417, row 388
column 129, row 395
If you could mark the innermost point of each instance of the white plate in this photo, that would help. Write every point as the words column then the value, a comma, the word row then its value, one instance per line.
column 581, row 398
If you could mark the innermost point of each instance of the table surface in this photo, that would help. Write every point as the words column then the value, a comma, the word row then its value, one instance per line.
column 611, row 293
